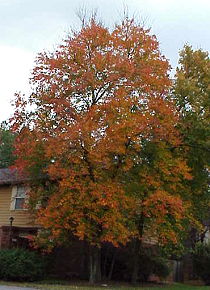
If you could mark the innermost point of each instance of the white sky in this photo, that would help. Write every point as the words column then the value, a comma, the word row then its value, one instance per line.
column 30, row 26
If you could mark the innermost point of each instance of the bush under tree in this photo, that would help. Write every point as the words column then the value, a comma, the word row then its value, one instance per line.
column 21, row 265
column 201, row 261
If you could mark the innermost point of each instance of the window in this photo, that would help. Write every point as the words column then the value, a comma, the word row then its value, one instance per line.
column 18, row 197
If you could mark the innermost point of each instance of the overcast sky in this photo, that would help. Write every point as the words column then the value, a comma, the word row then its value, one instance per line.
column 30, row 26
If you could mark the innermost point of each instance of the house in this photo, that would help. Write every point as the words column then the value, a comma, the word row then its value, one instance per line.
column 15, row 221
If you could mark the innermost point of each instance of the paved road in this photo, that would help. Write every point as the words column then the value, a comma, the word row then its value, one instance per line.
column 15, row 288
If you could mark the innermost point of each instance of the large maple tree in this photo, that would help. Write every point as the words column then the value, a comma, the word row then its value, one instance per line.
column 102, row 132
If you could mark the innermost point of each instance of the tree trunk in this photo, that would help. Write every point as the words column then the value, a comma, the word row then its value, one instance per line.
column 84, row 261
column 112, row 266
column 104, row 264
column 136, row 251
column 95, row 265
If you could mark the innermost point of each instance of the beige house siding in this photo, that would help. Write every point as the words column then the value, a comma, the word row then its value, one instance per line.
column 21, row 217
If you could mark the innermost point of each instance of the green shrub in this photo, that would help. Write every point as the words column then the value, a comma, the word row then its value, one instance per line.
column 201, row 261
column 161, row 267
column 21, row 265
column 152, row 264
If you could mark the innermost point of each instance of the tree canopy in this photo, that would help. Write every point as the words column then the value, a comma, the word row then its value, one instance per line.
column 103, row 130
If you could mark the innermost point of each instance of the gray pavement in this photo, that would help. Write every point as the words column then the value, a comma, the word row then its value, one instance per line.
column 2, row 287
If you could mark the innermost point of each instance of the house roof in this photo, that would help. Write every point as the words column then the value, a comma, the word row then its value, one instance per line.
column 11, row 176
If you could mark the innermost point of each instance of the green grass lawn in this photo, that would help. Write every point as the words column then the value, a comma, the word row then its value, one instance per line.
column 48, row 285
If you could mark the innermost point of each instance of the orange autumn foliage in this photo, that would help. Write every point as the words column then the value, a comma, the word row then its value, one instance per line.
column 96, row 100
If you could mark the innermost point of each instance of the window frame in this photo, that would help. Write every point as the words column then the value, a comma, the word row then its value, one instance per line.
column 15, row 197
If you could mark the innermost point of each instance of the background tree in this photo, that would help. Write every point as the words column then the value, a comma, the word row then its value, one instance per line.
column 7, row 137
column 192, row 96
column 102, row 129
